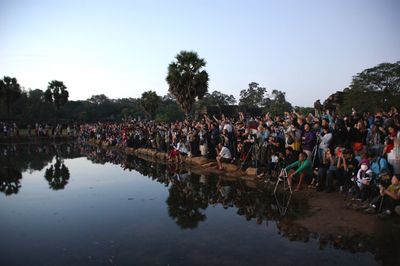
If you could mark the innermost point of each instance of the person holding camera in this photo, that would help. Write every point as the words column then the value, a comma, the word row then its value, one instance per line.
column 346, row 168
column 364, row 181
column 388, row 199
column 326, row 138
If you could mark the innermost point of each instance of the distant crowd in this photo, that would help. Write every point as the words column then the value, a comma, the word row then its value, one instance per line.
column 11, row 129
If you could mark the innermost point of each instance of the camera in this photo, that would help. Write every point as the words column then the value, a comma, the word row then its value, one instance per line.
column 385, row 183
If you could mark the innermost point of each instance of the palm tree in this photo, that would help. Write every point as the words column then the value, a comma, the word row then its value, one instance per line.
column 57, row 175
column 57, row 93
column 187, row 79
column 10, row 91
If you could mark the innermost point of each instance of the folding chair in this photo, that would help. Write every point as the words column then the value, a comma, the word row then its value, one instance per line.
column 283, row 177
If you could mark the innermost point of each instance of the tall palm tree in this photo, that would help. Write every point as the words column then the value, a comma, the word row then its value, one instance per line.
column 187, row 79
column 10, row 91
column 57, row 93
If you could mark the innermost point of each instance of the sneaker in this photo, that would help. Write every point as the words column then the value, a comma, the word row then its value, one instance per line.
column 385, row 214
column 370, row 210
column 364, row 206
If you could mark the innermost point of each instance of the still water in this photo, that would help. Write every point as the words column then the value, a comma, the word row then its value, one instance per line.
column 78, row 205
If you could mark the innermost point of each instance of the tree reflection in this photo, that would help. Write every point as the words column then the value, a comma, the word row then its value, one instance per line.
column 184, row 205
column 57, row 175
column 10, row 180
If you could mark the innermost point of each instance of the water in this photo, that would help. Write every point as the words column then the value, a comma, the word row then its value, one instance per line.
column 75, row 205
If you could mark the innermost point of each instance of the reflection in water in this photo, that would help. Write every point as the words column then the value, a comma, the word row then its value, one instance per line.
column 189, row 194
column 57, row 175
column 9, row 179
column 185, row 204
column 282, row 202
column 17, row 159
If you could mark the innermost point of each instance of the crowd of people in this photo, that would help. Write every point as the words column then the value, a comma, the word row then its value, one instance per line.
column 11, row 129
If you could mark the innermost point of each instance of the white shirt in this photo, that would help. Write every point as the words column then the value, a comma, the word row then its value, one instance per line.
column 225, row 153
column 228, row 127
column 181, row 147
column 325, row 141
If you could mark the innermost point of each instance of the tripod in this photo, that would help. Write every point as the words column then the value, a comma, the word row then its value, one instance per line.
column 252, row 152
column 314, row 155
column 283, row 177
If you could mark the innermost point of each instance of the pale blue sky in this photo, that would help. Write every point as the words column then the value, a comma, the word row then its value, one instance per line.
column 309, row 49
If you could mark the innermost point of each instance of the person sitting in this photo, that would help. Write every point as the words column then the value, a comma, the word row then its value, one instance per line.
column 173, row 154
column 378, row 163
column 290, row 156
column 331, row 170
column 346, row 168
column 224, row 155
column 182, row 148
column 303, row 170
column 388, row 199
column 364, row 181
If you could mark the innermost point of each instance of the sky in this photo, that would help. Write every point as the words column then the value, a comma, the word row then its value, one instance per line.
column 308, row 49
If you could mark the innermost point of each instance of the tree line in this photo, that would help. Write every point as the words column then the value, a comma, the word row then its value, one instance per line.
column 373, row 89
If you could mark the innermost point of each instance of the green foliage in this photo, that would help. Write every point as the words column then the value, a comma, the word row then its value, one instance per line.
column 10, row 91
column 98, row 99
column 384, row 77
column 374, row 89
column 32, row 106
column 257, row 97
column 150, row 102
column 57, row 93
column 217, row 98
column 304, row 110
column 278, row 104
column 187, row 79
column 254, row 96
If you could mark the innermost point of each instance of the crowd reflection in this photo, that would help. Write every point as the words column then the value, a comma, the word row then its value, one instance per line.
column 190, row 194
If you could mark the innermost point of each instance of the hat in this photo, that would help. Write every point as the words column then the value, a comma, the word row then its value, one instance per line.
column 364, row 161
